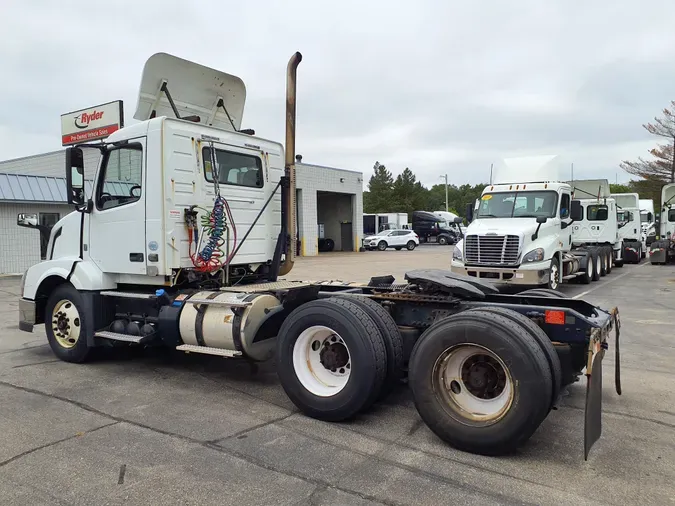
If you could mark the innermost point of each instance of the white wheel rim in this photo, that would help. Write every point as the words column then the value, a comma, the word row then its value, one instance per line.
column 475, row 384
column 589, row 269
column 598, row 264
column 321, row 361
column 554, row 276
column 66, row 323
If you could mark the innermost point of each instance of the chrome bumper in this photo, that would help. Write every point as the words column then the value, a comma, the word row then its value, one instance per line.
column 26, row 315
column 504, row 275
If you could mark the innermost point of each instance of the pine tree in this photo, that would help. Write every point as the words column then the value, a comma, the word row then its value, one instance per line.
column 380, row 191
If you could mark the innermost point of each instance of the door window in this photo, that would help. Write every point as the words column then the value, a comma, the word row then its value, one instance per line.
column 47, row 220
column 565, row 206
column 120, row 182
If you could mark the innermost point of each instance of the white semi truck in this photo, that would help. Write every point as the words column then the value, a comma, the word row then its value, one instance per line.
column 185, row 237
column 647, row 226
column 630, row 227
column 662, row 250
column 533, row 228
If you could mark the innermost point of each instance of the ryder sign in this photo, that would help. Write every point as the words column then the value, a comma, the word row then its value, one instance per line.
column 91, row 124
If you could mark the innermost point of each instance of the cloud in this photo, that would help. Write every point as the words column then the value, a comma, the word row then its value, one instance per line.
column 438, row 87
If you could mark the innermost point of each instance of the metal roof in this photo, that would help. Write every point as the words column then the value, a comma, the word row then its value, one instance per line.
column 44, row 189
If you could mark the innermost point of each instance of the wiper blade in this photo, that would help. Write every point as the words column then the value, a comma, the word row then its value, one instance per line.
column 487, row 216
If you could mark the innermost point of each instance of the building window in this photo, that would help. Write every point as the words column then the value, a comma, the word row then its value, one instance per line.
column 234, row 168
column 47, row 220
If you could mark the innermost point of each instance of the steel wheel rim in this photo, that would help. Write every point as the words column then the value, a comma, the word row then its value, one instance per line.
column 554, row 276
column 474, row 384
column 598, row 264
column 322, row 361
column 589, row 269
column 66, row 323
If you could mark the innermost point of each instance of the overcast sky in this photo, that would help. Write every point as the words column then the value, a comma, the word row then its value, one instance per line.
column 439, row 89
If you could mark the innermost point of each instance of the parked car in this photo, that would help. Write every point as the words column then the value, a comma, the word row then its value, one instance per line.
column 397, row 239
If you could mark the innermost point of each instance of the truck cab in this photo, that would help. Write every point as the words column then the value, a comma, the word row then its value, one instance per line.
column 516, row 233
column 629, row 226
column 432, row 228
column 155, row 176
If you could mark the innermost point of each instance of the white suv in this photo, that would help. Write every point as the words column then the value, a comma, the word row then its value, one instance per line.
column 397, row 239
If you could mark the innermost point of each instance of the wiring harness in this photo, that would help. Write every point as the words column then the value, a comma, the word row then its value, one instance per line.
column 214, row 225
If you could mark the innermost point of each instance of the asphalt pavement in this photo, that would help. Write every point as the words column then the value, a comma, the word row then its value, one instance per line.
column 166, row 428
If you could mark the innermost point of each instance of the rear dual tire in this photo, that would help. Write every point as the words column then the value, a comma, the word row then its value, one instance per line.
column 481, row 381
column 337, row 356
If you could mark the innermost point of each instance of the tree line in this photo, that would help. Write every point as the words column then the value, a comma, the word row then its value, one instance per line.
column 405, row 194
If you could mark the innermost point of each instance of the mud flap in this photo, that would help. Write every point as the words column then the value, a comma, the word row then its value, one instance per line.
column 617, row 355
column 593, row 412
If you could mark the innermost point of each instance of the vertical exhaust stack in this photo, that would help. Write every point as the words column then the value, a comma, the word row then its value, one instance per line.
column 289, row 211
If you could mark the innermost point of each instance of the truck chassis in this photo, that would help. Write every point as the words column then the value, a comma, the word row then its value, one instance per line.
column 485, row 368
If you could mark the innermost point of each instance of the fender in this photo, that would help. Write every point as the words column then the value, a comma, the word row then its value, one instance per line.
column 83, row 275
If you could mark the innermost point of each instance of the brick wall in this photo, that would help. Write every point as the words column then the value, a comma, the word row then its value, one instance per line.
column 313, row 178
column 19, row 246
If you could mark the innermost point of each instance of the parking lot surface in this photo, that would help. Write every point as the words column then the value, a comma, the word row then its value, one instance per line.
column 166, row 428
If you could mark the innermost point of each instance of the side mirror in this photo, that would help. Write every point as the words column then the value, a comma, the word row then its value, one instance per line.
column 27, row 220
column 469, row 213
column 650, row 217
column 576, row 211
column 542, row 219
column 459, row 220
column 75, row 175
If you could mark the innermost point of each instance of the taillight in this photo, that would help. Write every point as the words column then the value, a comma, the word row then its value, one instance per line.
column 555, row 317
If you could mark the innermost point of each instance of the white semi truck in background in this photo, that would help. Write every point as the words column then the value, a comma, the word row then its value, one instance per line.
column 662, row 250
column 189, row 228
column 630, row 226
column 531, row 227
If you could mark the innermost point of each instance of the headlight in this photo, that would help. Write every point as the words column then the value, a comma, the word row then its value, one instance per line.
column 457, row 252
column 536, row 255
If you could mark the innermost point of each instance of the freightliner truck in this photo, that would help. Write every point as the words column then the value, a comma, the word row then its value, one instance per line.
column 662, row 250
column 630, row 227
column 533, row 228
column 184, row 236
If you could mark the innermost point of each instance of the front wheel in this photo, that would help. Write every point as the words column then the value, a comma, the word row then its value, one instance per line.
column 382, row 245
column 554, row 273
column 442, row 240
column 65, row 324
column 610, row 259
column 411, row 245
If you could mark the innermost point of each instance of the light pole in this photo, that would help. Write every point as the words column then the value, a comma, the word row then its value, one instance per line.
column 446, row 191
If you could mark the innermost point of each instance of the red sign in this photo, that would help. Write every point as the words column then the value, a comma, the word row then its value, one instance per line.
column 90, row 124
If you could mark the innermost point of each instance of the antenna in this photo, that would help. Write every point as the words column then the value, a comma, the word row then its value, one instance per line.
column 572, row 169
column 491, row 172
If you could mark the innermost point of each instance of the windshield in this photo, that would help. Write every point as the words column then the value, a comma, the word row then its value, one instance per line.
column 518, row 204
column 383, row 232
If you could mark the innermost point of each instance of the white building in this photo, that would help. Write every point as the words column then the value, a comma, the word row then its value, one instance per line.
column 328, row 199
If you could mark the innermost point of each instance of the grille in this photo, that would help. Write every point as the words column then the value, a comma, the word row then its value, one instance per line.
column 492, row 249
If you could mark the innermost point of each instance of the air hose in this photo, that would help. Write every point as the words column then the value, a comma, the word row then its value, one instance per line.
column 214, row 227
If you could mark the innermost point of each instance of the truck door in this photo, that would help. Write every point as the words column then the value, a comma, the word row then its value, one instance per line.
column 117, row 220
column 564, row 213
